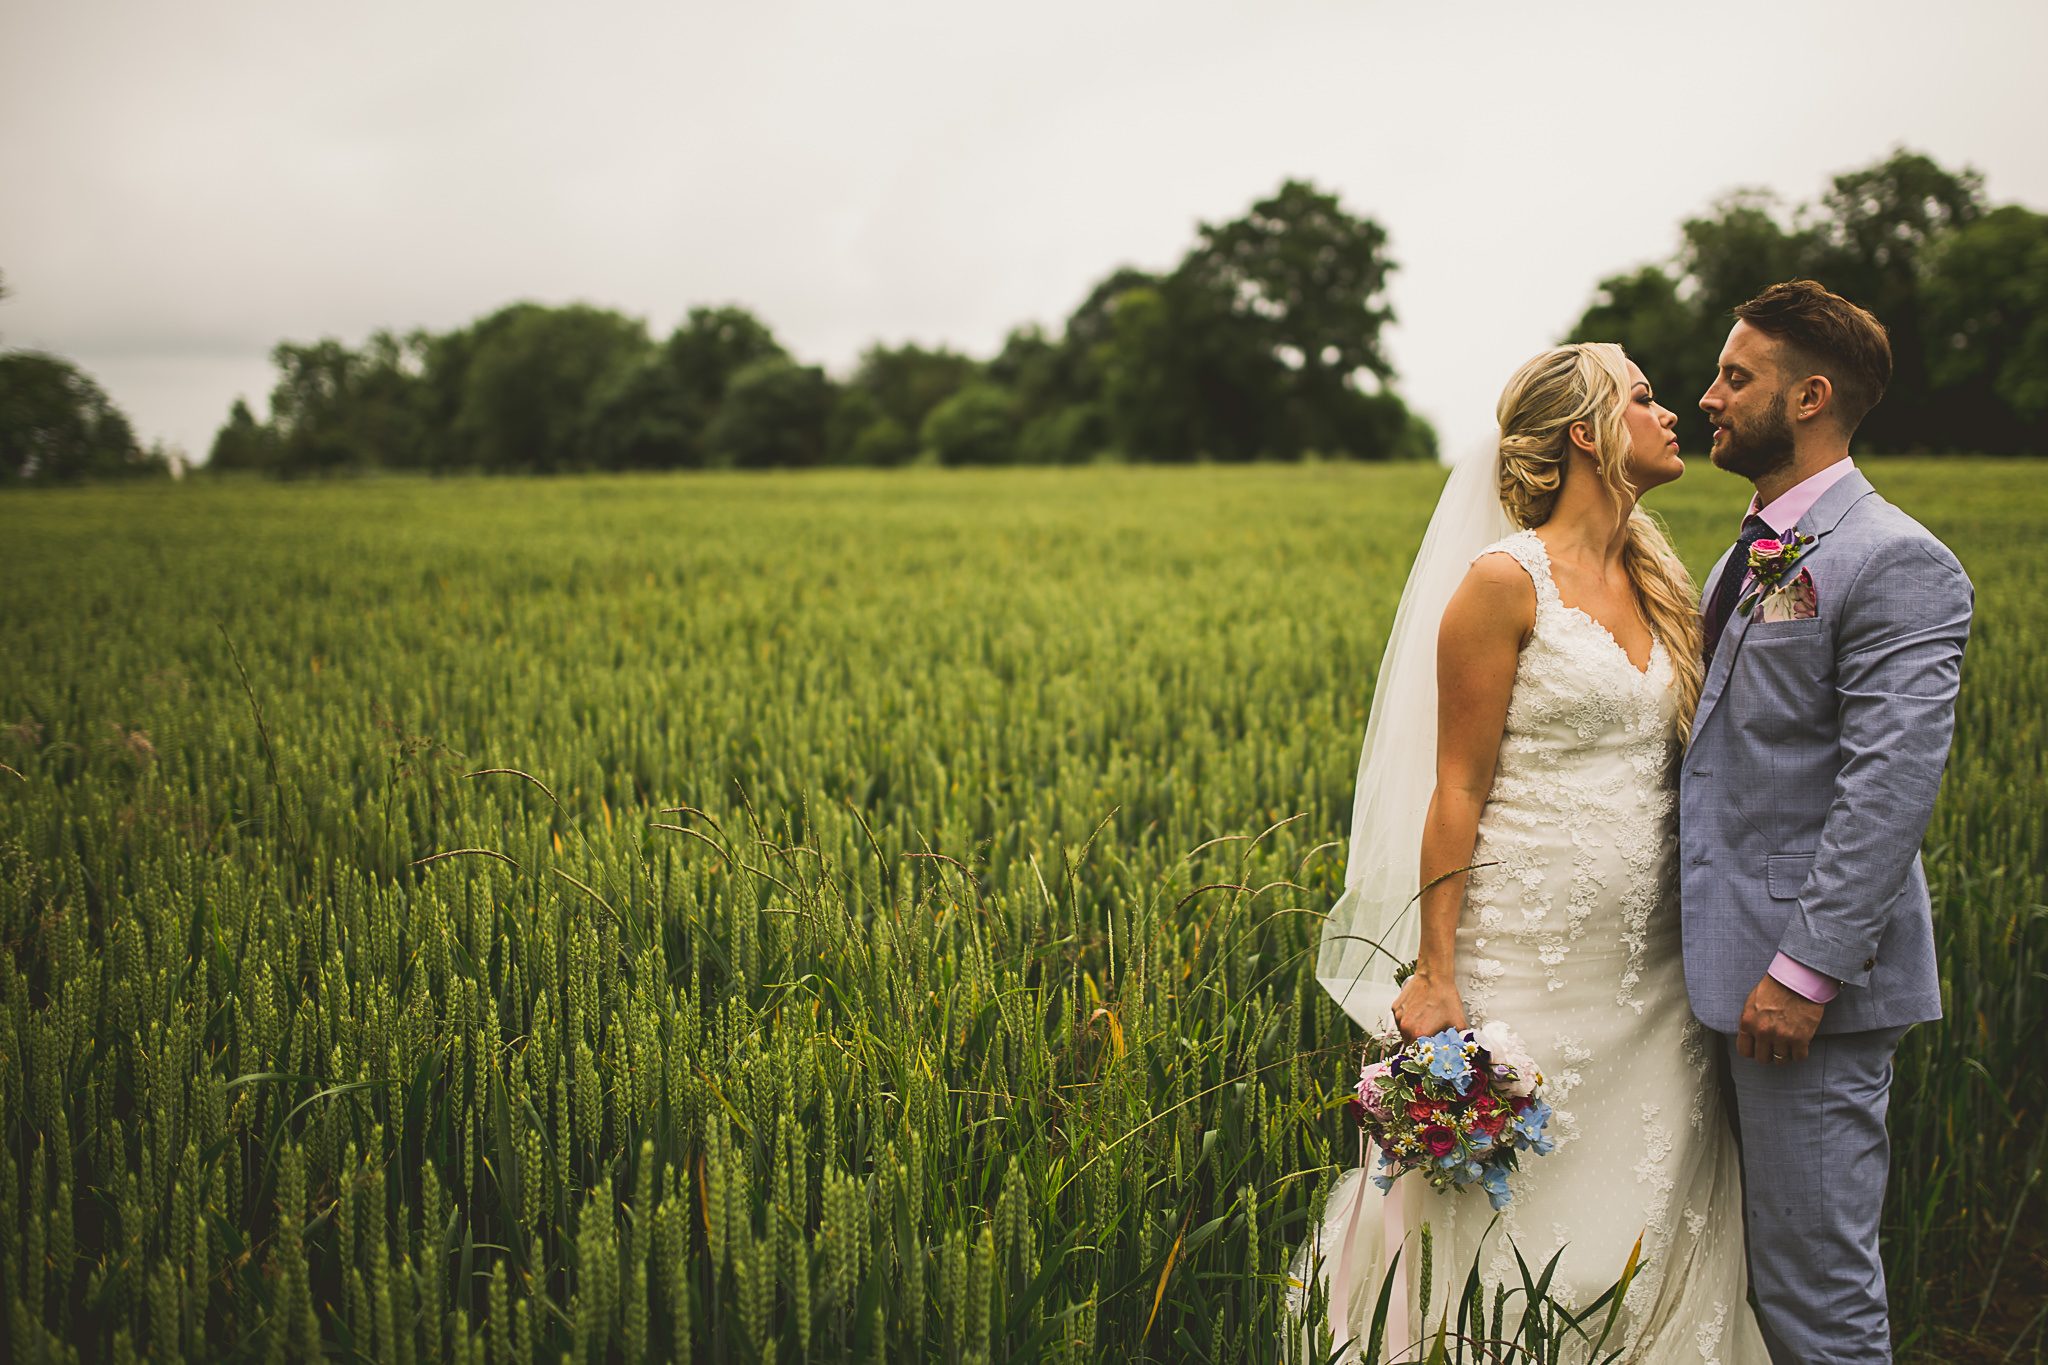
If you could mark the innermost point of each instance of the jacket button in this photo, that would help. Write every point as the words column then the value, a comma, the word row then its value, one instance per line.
column 1868, row 963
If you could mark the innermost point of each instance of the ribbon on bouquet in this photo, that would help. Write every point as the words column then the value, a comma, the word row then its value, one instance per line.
column 1393, row 1232
column 1345, row 1268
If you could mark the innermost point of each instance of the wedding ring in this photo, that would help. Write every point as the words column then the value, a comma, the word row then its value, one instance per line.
column 1777, row 1056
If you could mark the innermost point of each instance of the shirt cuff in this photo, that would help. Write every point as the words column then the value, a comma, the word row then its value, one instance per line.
column 1797, row 976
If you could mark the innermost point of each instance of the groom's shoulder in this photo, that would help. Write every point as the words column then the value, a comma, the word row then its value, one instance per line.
column 1887, row 533
column 1885, row 526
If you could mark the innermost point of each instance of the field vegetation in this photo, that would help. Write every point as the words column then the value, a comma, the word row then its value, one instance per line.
column 848, row 915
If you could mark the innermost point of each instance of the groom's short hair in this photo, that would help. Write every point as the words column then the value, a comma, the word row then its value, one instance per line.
column 1827, row 335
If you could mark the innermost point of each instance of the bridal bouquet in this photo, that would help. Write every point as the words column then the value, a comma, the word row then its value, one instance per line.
column 1460, row 1106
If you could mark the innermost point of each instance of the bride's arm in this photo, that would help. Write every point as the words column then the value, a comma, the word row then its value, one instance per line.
column 1487, row 622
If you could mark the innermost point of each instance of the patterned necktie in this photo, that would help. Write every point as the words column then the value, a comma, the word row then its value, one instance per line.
column 1729, row 587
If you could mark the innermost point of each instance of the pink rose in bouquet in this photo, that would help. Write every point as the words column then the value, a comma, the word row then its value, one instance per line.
column 1371, row 1099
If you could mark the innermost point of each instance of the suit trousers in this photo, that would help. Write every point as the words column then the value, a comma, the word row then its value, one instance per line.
column 1815, row 1159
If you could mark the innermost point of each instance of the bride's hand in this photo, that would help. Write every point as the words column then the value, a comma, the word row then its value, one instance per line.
column 1427, row 1005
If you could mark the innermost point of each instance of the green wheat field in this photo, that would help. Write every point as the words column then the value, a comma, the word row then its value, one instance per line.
column 840, row 916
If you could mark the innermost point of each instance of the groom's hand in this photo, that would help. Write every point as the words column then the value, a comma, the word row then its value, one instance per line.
column 1777, row 1023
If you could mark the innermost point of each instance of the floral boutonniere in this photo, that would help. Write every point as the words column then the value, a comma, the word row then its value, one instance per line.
column 1769, row 562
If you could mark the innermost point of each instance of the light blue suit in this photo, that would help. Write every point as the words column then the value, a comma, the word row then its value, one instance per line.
column 1815, row 756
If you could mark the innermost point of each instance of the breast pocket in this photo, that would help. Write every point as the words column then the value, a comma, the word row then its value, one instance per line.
column 1766, row 632
column 1785, row 875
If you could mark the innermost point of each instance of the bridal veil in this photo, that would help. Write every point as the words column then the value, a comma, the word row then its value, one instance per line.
column 1375, row 925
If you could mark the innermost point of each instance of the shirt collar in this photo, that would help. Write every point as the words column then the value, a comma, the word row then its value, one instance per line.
column 1795, row 502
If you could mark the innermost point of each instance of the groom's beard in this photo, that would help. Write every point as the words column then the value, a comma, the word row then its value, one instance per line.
column 1763, row 445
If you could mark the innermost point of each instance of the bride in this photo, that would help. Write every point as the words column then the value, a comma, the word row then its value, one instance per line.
column 1542, row 801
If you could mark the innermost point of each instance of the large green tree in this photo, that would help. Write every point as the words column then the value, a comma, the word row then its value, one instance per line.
column 1674, row 316
column 1876, row 236
column 1307, row 279
column 58, row 426
column 1744, row 242
column 243, row 443
column 333, row 408
column 391, row 419
column 860, row 432
column 1880, row 225
column 656, row 412
column 774, row 416
column 977, row 425
column 1185, row 375
column 313, row 406
column 905, row 383
column 1986, row 316
column 529, row 397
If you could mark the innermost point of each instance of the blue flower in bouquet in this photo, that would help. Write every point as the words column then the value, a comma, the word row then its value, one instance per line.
column 1495, row 1183
column 1447, row 1061
column 1529, row 1125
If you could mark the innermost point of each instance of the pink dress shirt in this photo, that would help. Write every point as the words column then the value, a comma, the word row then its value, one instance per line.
column 1781, row 516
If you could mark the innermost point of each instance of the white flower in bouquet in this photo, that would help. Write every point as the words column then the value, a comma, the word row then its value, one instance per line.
column 1507, row 1049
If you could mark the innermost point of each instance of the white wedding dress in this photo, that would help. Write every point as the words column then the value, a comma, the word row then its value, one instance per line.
column 1571, row 938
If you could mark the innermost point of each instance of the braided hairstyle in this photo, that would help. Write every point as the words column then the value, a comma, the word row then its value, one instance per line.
column 1588, row 382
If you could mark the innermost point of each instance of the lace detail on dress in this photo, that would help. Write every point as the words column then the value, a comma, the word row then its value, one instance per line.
column 1652, row 1170
column 1708, row 1338
column 1697, row 1060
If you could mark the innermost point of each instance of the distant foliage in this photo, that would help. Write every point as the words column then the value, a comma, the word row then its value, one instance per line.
column 974, row 426
column 1264, row 342
column 774, row 415
column 58, row 426
column 1962, row 289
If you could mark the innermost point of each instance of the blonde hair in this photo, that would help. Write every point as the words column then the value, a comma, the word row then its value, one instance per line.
column 1588, row 382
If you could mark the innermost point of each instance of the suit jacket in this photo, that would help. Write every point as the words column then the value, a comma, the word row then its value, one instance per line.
column 1815, row 756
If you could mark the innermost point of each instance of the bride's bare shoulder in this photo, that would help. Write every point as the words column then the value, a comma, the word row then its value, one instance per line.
column 1497, row 597
column 1499, row 577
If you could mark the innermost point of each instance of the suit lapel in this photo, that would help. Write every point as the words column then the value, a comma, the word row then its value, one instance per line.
column 1819, row 522
column 1717, row 671
column 1824, row 516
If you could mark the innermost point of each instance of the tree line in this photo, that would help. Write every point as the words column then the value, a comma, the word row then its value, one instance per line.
column 1264, row 341
column 1962, row 287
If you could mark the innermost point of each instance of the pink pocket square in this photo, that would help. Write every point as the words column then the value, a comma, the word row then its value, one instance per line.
column 1791, row 601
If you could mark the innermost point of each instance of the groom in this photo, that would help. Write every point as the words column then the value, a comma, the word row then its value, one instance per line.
column 1817, row 748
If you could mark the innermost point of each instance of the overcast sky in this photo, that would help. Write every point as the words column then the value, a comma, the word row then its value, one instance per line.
column 183, row 185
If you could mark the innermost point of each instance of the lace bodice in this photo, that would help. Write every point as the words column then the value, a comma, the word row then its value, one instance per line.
column 1577, row 695
column 1584, row 783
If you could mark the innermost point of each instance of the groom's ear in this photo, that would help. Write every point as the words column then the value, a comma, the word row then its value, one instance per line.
column 1811, row 398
